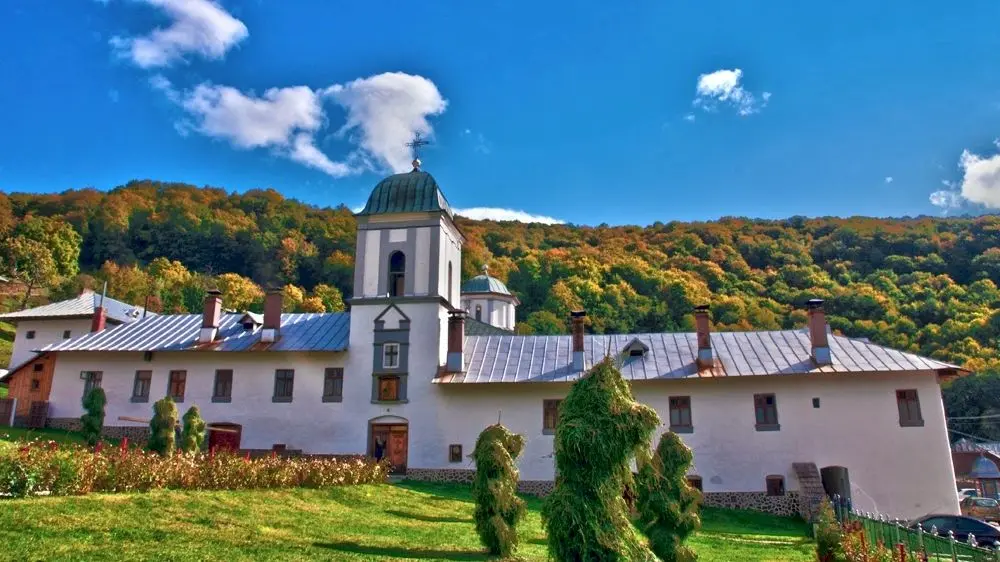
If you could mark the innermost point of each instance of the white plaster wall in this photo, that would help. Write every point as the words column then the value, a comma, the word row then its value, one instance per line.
column 306, row 423
column 450, row 250
column 502, row 314
column 902, row 471
column 422, row 279
column 373, row 241
column 46, row 332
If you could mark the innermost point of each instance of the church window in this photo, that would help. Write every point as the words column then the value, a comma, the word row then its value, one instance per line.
column 175, row 386
column 390, row 355
column 680, row 414
column 909, row 408
column 479, row 312
column 550, row 416
column 333, row 384
column 775, row 485
column 766, row 412
column 397, row 274
column 284, row 382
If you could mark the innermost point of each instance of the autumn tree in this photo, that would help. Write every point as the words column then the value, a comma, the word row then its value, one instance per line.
column 331, row 297
column 29, row 262
column 238, row 292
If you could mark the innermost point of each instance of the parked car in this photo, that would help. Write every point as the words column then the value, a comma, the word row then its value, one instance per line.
column 967, row 493
column 961, row 525
column 987, row 509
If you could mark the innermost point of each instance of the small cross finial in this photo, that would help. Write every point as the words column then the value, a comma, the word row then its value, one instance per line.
column 415, row 144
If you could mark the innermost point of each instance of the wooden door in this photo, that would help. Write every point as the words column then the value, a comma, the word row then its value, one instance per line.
column 6, row 411
column 390, row 442
column 398, row 447
column 224, row 436
column 38, row 414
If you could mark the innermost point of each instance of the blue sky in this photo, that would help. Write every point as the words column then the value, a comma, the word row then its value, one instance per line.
column 617, row 112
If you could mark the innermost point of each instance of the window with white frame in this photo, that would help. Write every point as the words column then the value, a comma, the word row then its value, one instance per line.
column 390, row 355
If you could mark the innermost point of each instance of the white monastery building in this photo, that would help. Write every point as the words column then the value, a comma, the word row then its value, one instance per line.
column 421, row 364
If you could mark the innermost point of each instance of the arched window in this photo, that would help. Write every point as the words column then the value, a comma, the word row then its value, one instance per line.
column 479, row 312
column 397, row 274
column 449, row 281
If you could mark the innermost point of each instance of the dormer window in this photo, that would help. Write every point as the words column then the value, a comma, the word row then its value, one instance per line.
column 397, row 274
column 635, row 348
column 251, row 321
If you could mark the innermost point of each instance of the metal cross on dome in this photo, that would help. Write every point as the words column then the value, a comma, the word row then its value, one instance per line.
column 415, row 144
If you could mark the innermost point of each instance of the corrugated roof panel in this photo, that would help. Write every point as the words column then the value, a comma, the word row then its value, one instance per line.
column 673, row 355
column 81, row 306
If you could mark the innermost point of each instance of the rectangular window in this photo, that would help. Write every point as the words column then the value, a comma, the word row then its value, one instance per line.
column 37, row 367
column 30, row 334
column 775, row 485
column 680, row 414
column 91, row 379
column 222, row 391
column 36, row 385
column 550, row 416
column 455, row 453
column 766, row 411
column 909, row 408
column 176, row 384
column 140, row 388
column 67, row 334
column 333, row 384
column 390, row 355
column 695, row 482
column 284, row 380
column 388, row 389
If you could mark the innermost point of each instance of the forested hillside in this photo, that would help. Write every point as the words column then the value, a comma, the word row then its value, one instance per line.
column 928, row 285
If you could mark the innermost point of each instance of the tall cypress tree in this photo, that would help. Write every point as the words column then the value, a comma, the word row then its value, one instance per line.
column 498, row 508
column 163, row 427
column 92, row 421
column 667, row 504
column 193, row 434
column 600, row 428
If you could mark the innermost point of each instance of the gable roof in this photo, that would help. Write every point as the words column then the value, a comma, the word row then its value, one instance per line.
column 510, row 358
column 80, row 307
column 179, row 332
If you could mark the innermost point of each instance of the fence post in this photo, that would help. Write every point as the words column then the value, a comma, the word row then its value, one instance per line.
column 953, row 542
column 996, row 551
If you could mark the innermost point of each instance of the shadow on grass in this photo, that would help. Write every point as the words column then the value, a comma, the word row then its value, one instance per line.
column 428, row 518
column 399, row 552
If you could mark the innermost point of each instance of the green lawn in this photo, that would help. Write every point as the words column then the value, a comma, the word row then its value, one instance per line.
column 410, row 521
column 58, row 435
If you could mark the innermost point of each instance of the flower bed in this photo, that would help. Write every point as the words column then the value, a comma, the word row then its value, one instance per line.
column 48, row 467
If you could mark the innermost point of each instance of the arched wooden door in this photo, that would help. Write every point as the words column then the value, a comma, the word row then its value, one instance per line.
column 390, row 441
column 225, row 436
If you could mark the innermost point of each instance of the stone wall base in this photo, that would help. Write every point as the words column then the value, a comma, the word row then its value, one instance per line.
column 136, row 434
column 786, row 505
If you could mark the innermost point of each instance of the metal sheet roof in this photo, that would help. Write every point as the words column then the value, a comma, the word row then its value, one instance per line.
column 179, row 332
column 475, row 327
column 492, row 358
column 408, row 192
column 81, row 306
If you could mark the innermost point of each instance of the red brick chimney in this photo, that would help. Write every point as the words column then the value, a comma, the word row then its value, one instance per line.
column 456, row 341
column 211, row 315
column 272, row 316
column 703, row 326
column 99, row 320
column 817, row 333
column 577, row 319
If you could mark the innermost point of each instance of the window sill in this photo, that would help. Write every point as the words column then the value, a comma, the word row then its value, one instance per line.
column 548, row 432
column 177, row 400
column 390, row 401
column 140, row 399
column 333, row 399
column 768, row 427
column 682, row 428
column 281, row 399
column 911, row 423
column 222, row 399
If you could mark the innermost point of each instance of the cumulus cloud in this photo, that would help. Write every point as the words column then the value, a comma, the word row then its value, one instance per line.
column 946, row 199
column 386, row 111
column 199, row 27
column 980, row 179
column 723, row 87
column 889, row 179
column 499, row 214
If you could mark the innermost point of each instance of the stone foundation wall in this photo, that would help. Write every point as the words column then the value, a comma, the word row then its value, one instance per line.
column 136, row 434
column 67, row 424
column 786, row 505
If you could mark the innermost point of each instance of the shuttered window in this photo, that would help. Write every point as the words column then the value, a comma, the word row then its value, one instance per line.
column 140, row 387
column 222, row 391
column 550, row 416
column 333, row 384
column 284, row 382
column 680, row 414
column 176, row 385
column 766, row 412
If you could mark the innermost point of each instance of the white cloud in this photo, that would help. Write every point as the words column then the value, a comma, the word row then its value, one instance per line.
column 723, row 87
column 200, row 27
column 889, row 179
column 980, row 179
column 689, row 117
column 498, row 214
column 946, row 199
column 480, row 143
column 387, row 110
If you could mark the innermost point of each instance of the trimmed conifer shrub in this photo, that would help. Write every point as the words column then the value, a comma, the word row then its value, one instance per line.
column 193, row 434
column 163, row 427
column 829, row 538
column 93, row 418
column 667, row 504
column 498, row 508
column 600, row 428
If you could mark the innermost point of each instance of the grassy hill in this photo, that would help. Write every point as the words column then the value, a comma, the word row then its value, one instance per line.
column 386, row 522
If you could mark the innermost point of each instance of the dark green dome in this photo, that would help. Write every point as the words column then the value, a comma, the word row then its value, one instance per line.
column 411, row 192
column 485, row 284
